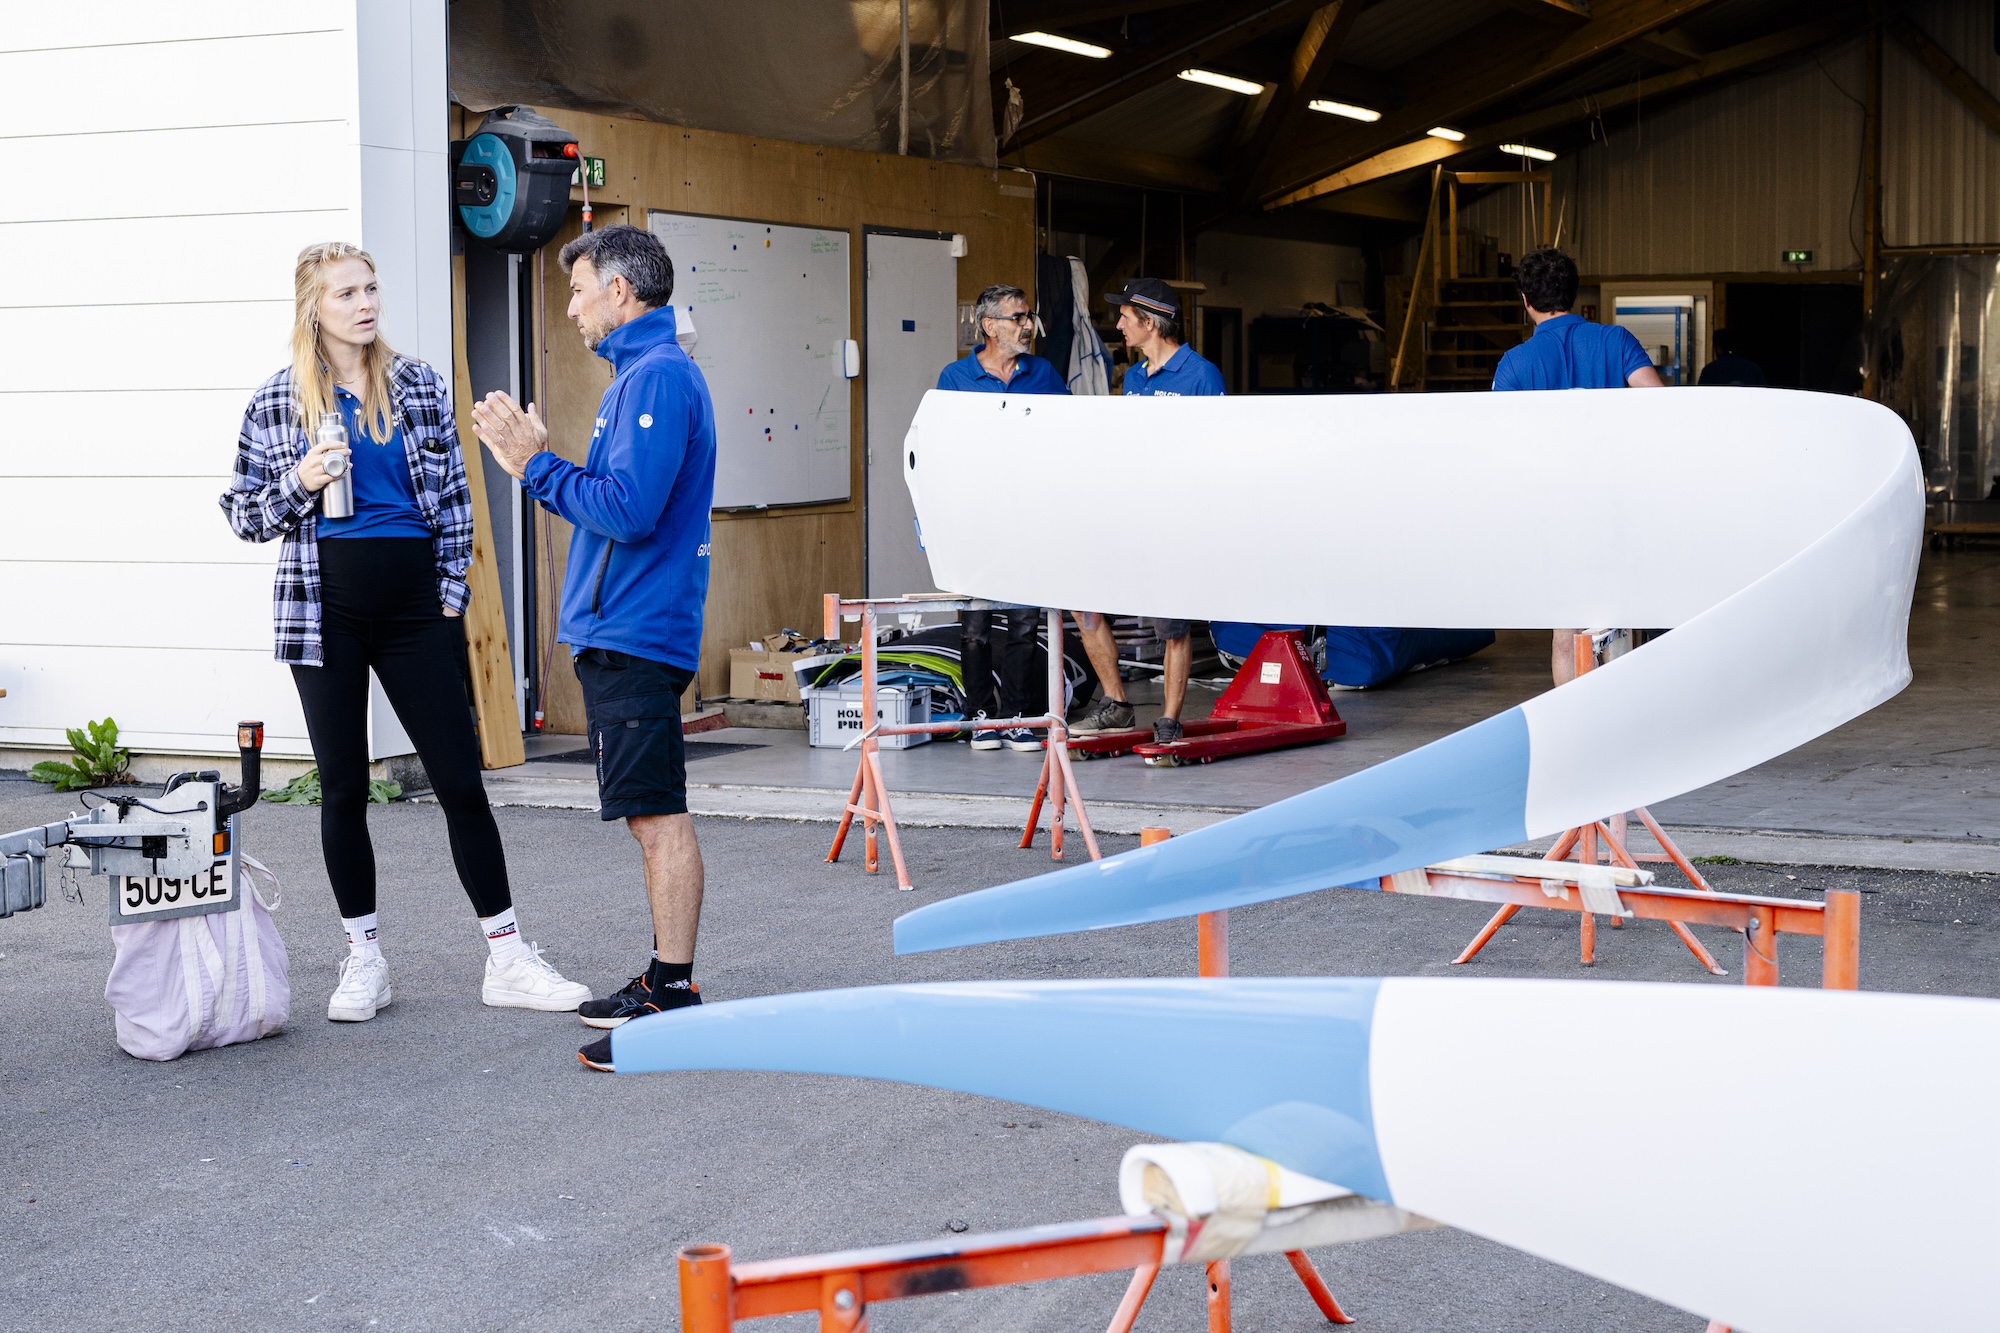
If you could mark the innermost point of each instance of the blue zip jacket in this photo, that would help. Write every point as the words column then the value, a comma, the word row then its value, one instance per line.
column 638, row 560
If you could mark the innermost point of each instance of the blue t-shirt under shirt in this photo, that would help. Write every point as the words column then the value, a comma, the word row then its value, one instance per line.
column 1570, row 352
column 384, row 504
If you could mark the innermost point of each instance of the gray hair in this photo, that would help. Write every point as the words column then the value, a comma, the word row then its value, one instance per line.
column 1164, row 325
column 631, row 253
column 988, row 306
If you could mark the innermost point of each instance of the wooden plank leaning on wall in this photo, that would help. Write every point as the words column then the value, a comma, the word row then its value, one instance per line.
column 769, row 567
column 492, row 664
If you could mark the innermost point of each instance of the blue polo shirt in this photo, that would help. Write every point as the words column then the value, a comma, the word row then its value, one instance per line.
column 1186, row 375
column 1570, row 352
column 385, row 505
column 1031, row 375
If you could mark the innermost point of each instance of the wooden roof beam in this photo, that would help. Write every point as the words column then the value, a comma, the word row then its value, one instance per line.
column 1777, row 46
column 1059, row 90
column 1675, row 50
column 1312, row 60
column 1491, row 62
column 1954, row 76
column 1086, row 160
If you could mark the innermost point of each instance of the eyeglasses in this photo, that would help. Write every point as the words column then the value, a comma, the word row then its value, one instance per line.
column 1025, row 317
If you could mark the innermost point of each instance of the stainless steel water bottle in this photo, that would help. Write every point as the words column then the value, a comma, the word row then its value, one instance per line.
column 337, row 500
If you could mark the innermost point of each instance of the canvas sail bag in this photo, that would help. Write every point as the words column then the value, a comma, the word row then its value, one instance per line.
column 199, row 981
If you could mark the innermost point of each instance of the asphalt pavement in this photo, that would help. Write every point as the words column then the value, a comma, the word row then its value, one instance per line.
column 449, row 1166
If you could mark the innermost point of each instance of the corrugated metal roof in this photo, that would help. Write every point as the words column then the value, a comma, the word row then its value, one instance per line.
column 1729, row 180
column 1940, row 163
column 1723, row 183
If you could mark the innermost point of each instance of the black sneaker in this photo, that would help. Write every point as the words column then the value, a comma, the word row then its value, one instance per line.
column 1104, row 715
column 605, row 1013
column 1166, row 730
column 597, row 1055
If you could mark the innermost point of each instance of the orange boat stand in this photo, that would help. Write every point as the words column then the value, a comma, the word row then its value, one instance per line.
column 1603, row 890
column 1211, row 945
column 839, row 1287
column 1275, row 700
column 869, row 796
column 1584, row 841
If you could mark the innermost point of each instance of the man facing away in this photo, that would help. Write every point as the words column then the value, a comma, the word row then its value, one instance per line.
column 1149, row 318
column 1730, row 366
column 1001, row 364
column 633, row 596
column 1568, row 352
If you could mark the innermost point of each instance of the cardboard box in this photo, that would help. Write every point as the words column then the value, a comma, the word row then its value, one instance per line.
column 834, row 714
column 757, row 674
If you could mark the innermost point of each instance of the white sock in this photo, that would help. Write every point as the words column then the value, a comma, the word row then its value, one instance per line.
column 361, row 936
column 503, row 938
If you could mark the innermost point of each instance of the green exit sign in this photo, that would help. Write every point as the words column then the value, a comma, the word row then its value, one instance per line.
column 1798, row 256
column 591, row 173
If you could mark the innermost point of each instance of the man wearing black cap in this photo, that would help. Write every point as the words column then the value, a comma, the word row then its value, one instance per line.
column 1162, row 366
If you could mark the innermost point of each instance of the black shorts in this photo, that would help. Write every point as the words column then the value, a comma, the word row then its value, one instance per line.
column 634, row 709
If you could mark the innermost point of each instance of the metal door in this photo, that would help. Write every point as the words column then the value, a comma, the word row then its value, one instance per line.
column 910, row 301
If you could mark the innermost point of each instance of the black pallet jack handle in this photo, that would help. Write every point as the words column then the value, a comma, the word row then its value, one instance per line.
column 250, row 749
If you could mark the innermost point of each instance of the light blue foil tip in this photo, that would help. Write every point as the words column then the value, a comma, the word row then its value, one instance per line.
column 1465, row 793
column 1277, row 1066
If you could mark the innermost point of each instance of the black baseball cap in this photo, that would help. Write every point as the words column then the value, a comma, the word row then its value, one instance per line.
column 1148, row 294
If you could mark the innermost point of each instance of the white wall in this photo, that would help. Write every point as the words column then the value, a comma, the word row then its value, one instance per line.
column 169, row 161
column 1263, row 275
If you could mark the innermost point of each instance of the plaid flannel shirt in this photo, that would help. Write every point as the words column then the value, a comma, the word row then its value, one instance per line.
column 266, row 500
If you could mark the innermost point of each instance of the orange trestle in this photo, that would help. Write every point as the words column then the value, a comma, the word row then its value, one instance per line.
column 869, row 797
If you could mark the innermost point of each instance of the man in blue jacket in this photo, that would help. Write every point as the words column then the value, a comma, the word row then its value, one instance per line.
column 633, row 595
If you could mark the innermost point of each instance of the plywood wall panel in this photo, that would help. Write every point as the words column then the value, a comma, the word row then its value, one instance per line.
column 769, row 567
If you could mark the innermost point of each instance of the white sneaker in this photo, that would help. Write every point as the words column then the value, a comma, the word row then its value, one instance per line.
column 530, row 983
column 363, row 989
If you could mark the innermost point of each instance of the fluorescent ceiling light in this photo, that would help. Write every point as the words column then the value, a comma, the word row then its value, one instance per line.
column 1069, row 44
column 1223, row 81
column 1347, row 109
column 1524, row 150
column 1441, row 132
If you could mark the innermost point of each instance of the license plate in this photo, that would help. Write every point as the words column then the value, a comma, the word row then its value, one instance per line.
column 136, row 898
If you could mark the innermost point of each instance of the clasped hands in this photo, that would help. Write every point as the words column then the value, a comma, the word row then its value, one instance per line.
column 509, row 434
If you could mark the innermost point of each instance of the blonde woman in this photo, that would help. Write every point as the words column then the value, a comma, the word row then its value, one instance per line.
column 379, row 589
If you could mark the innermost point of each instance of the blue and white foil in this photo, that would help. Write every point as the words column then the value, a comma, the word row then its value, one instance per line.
column 1791, row 1161
column 1775, row 533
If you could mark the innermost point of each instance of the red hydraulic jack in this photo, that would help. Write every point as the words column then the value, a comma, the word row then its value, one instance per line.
column 1276, row 700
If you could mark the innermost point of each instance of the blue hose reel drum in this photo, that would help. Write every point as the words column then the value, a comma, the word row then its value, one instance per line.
column 510, row 180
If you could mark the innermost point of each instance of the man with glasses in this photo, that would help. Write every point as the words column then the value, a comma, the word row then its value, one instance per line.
column 1001, row 364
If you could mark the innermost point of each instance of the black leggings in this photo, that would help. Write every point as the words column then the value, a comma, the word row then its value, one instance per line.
column 379, row 608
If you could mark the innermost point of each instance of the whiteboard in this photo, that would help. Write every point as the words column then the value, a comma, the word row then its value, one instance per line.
column 769, row 306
